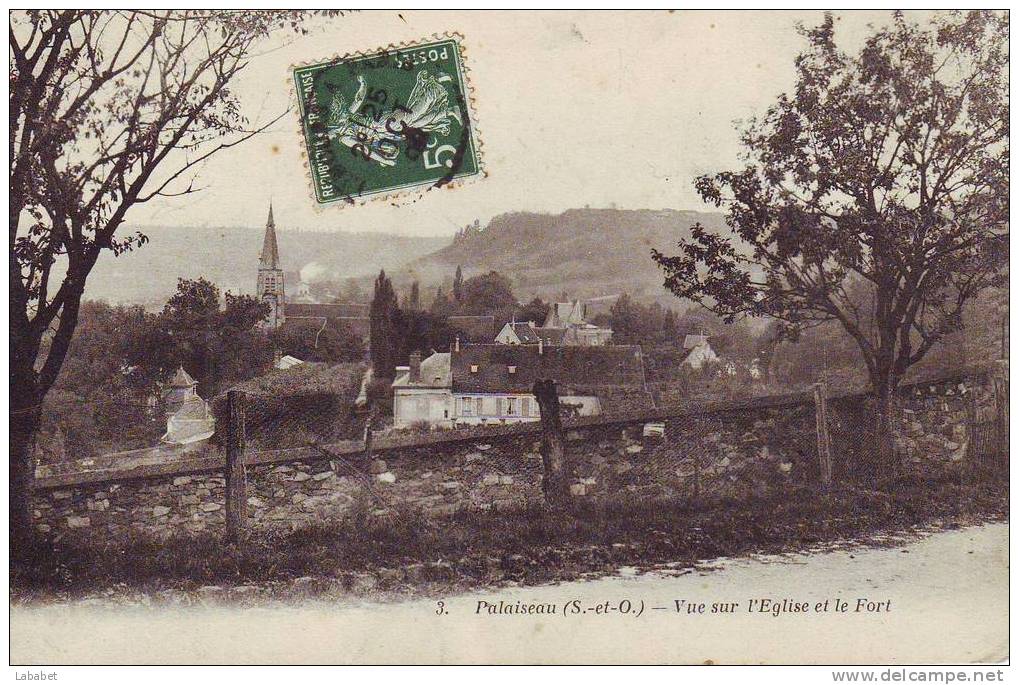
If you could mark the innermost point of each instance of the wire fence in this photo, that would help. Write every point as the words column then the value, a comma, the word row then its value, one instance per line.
column 728, row 450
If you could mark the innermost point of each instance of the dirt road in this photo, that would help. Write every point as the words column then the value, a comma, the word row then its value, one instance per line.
column 939, row 599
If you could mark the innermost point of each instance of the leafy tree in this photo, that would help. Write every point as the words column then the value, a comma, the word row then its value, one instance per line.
column 213, row 344
column 490, row 293
column 99, row 401
column 626, row 319
column 383, row 342
column 108, row 109
column 648, row 325
column 536, row 310
column 887, row 171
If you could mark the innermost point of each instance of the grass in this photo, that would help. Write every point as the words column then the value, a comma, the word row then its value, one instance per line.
column 530, row 545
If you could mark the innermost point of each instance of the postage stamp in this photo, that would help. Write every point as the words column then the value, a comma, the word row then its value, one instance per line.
column 388, row 123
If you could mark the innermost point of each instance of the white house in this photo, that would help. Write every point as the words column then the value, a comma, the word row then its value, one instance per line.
column 491, row 384
column 421, row 391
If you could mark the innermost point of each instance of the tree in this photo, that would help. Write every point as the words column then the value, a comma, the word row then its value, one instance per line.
column 626, row 320
column 440, row 305
column 108, row 109
column 383, row 342
column 99, row 402
column 352, row 292
column 490, row 293
column 213, row 344
column 414, row 300
column 420, row 332
column 875, row 195
column 458, row 282
column 536, row 310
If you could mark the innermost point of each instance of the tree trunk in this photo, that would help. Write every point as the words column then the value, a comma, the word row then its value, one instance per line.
column 25, row 416
column 555, row 483
column 881, row 464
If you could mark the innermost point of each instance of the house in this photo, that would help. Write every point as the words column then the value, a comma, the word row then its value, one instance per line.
column 421, row 391
column 571, row 318
column 491, row 383
column 188, row 418
column 518, row 333
column 699, row 351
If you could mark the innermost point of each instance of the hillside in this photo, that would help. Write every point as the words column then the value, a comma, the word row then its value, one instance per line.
column 585, row 252
column 228, row 256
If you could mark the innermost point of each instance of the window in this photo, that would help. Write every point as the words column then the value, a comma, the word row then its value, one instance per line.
column 525, row 406
column 466, row 406
column 478, row 405
column 511, row 406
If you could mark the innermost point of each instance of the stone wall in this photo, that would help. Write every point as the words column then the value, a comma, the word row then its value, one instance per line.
column 948, row 419
column 732, row 450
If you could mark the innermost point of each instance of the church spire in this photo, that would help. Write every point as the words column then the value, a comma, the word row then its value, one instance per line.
column 270, row 250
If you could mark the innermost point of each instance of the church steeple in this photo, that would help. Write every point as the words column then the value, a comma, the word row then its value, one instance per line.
column 270, row 250
column 270, row 275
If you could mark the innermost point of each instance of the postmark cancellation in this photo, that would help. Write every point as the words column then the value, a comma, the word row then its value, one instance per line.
column 392, row 123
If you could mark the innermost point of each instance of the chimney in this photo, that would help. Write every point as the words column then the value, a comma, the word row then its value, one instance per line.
column 415, row 367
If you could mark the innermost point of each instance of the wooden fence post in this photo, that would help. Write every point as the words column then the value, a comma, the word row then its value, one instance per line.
column 823, row 438
column 555, row 483
column 236, row 487
column 367, row 452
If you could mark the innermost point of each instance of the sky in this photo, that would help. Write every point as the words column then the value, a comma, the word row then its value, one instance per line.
column 573, row 109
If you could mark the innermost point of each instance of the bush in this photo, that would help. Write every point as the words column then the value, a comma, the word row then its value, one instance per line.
column 307, row 403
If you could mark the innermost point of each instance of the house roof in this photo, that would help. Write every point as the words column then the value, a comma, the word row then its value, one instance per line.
column 694, row 340
column 193, row 409
column 303, row 310
column 551, row 336
column 287, row 361
column 310, row 325
column 565, row 314
column 181, row 379
column 575, row 369
column 619, row 400
column 476, row 328
column 434, row 373
column 525, row 333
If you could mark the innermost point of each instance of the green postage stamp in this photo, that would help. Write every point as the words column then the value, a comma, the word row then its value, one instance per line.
column 386, row 123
